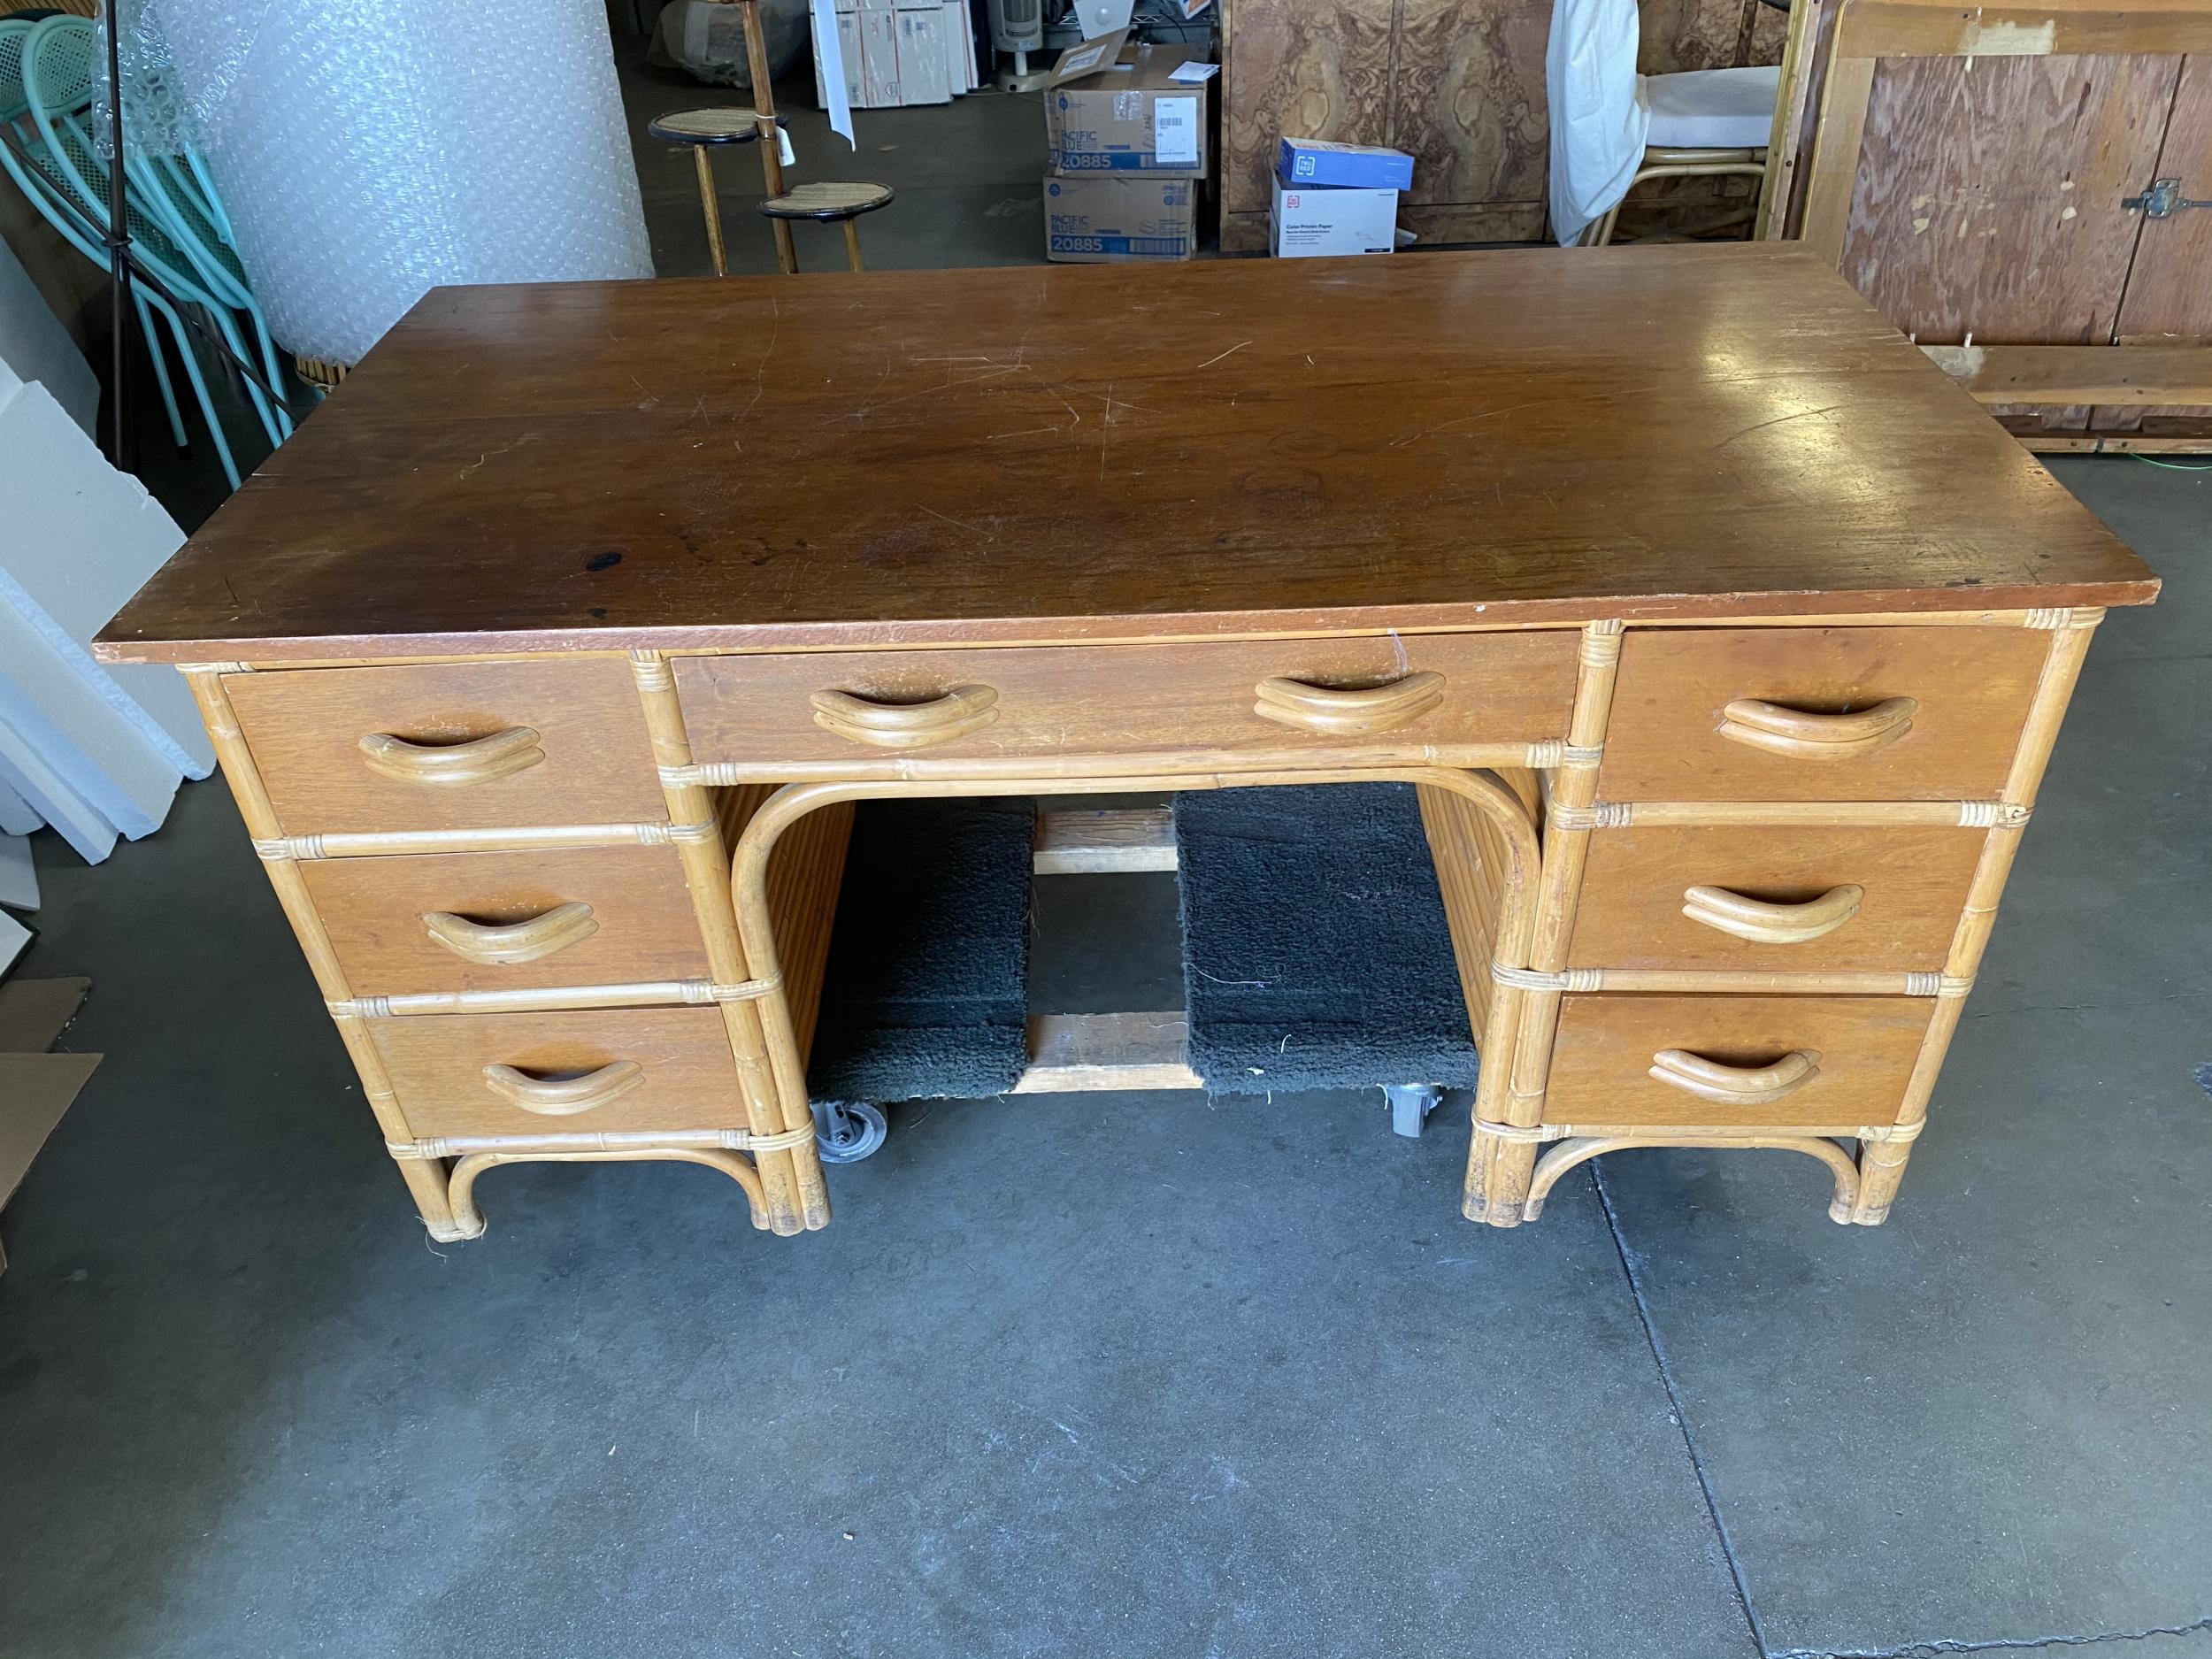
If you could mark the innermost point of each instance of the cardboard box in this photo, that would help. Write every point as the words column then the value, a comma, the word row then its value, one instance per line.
column 878, row 58
column 1316, row 161
column 922, row 54
column 1131, row 118
column 1312, row 223
column 1107, row 219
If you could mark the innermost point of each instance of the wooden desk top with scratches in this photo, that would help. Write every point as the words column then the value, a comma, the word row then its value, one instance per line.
column 1722, row 638
column 1058, row 453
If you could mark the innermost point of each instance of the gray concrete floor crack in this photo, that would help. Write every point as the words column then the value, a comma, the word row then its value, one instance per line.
column 1681, row 1416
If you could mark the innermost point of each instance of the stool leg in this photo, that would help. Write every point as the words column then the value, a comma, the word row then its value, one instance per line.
column 707, row 206
column 852, row 244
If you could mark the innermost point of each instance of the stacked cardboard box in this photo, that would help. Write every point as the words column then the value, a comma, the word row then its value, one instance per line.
column 1333, row 199
column 898, row 53
column 1128, row 134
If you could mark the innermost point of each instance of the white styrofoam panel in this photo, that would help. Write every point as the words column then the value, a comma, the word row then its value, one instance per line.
column 13, row 937
column 25, row 772
column 99, row 743
column 36, row 347
column 78, row 537
column 16, row 815
column 19, row 877
column 161, row 692
column 57, row 673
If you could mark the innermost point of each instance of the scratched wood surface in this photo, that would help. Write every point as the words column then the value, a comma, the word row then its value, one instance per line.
column 2168, row 300
column 1988, row 198
column 1239, row 447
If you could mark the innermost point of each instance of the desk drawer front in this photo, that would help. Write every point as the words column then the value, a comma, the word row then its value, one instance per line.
column 858, row 708
column 1772, row 898
column 451, row 746
column 648, row 1068
column 508, row 921
column 1818, row 714
column 1834, row 1060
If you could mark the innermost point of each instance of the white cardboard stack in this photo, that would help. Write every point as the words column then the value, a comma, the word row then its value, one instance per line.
column 96, row 751
column 900, row 53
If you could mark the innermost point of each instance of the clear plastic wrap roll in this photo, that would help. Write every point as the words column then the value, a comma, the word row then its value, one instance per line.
column 368, row 151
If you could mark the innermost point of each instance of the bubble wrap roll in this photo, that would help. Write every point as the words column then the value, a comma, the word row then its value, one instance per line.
column 370, row 150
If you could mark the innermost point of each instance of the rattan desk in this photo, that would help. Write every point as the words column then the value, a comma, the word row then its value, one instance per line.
column 1725, row 638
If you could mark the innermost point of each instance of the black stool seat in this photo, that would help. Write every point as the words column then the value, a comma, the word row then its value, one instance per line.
column 827, row 201
column 724, row 124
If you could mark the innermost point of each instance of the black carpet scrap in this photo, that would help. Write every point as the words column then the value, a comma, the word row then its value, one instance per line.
column 929, row 956
column 1314, row 950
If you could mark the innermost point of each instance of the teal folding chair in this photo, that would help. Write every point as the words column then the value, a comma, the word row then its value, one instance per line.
column 58, row 58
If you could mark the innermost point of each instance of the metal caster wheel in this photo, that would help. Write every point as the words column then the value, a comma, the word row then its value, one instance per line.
column 1410, row 1104
column 847, row 1132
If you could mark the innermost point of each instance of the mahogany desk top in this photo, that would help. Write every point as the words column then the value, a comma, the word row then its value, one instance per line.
column 1255, row 448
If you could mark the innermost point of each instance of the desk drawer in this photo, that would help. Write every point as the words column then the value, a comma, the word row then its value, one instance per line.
column 1833, row 1062
column 554, row 742
column 846, row 710
column 508, row 921
column 658, row 1069
column 1841, row 899
column 1704, row 714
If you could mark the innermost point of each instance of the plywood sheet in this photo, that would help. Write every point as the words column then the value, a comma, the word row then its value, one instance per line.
column 1988, row 194
column 2169, row 302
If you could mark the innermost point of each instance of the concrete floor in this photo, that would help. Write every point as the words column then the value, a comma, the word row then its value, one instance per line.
column 1136, row 1375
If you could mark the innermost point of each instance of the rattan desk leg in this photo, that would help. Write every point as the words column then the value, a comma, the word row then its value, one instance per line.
column 1882, row 1164
column 1501, row 1166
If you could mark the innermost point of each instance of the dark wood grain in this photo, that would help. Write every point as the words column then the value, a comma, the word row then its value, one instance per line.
column 1467, row 100
column 1224, row 447
column 1307, row 70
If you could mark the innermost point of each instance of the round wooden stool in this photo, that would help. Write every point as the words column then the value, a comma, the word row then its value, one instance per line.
column 701, row 130
column 843, row 202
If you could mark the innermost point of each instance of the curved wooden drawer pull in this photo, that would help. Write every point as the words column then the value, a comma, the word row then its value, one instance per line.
column 1342, row 714
column 1808, row 736
column 1766, row 923
column 453, row 765
column 564, row 1097
column 962, row 709
column 558, row 929
column 1735, row 1085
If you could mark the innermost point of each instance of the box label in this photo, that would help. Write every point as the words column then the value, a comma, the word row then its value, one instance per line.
column 1175, row 132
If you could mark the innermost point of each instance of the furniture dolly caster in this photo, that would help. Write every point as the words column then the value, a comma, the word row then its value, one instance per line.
column 1410, row 1104
column 845, row 1131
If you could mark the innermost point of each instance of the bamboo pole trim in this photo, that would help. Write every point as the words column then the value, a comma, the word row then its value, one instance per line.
column 1602, row 644
column 643, row 993
column 518, row 838
column 1659, row 1135
column 617, row 1143
column 1554, row 752
column 1603, row 815
column 1537, row 979
column 2080, row 617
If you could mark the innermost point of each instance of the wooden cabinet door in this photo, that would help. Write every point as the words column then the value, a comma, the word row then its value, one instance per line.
column 2169, row 299
column 1468, row 104
column 1988, row 197
column 1303, row 70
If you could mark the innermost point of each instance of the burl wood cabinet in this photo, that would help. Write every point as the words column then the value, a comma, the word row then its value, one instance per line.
column 1459, row 84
